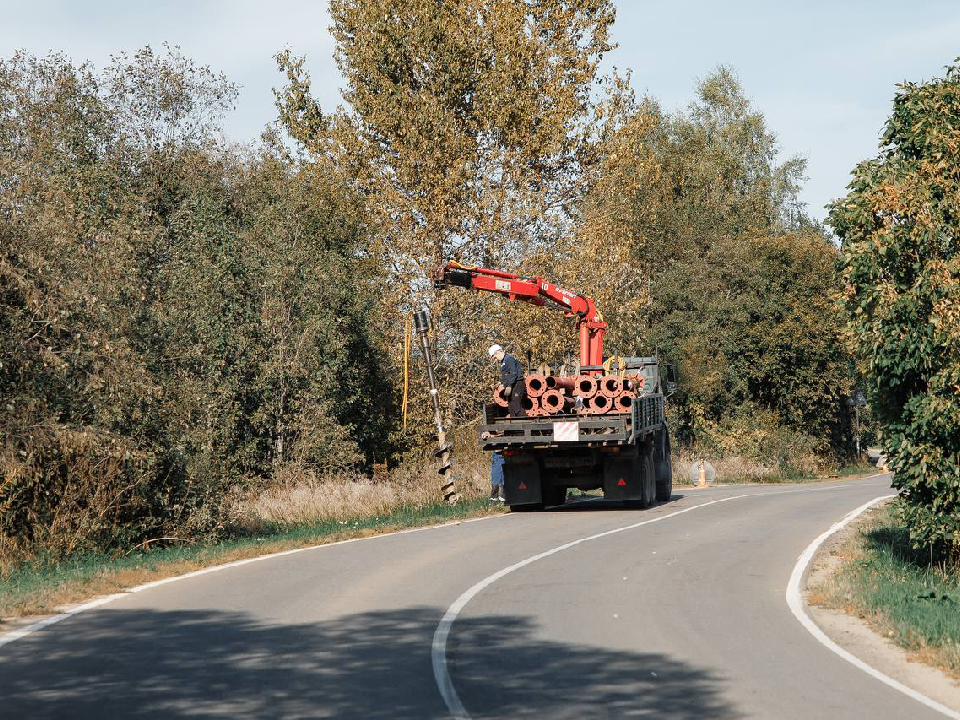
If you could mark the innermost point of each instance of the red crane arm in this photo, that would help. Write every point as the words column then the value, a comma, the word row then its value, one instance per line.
column 536, row 291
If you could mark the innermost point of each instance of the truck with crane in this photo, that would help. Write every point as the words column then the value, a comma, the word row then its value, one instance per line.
column 601, row 423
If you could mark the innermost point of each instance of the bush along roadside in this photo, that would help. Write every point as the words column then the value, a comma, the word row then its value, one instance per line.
column 900, row 265
column 905, row 594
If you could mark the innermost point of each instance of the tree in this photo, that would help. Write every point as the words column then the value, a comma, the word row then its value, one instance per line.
column 181, row 320
column 899, row 225
column 754, row 329
column 468, row 129
column 319, row 317
column 700, row 250
column 81, row 461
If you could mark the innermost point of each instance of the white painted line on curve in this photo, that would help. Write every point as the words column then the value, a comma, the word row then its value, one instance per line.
column 795, row 602
column 438, row 649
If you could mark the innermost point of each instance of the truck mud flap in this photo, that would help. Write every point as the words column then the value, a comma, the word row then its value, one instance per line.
column 621, row 477
column 521, row 481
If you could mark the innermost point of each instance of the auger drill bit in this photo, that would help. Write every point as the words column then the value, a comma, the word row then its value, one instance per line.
column 421, row 320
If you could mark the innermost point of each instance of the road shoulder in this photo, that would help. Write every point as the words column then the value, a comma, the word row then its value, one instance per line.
column 855, row 635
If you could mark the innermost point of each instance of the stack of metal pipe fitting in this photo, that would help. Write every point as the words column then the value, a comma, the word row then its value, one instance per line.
column 549, row 394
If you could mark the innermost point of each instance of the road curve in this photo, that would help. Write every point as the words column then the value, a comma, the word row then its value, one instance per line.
column 681, row 617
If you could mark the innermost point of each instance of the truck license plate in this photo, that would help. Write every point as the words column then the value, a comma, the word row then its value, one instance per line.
column 566, row 431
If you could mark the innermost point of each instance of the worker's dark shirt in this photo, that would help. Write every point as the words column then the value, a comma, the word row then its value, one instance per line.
column 510, row 370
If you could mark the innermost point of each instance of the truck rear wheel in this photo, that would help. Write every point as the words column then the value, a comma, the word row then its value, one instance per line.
column 663, row 464
column 553, row 495
column 648, row 479
column 644, row 469
column 529, row 507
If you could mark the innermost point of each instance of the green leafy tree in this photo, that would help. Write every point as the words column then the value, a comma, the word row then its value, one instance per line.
column 319, row 313
column 181, row 320
column 754, row 327
column 79, row 467
column 716, row 266
column 899, row 225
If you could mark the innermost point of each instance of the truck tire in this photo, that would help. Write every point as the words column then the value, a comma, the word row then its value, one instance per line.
column 648, row 483
column 645, row 474
column 553, row 495
column 530, row 507
column 664, row 464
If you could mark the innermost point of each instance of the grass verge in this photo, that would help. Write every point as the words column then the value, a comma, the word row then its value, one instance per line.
column 39, row 587
column 897, row 590
column 739, row 470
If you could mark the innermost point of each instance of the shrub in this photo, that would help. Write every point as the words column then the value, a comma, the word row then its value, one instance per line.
column 177, row 316
column 899, row 226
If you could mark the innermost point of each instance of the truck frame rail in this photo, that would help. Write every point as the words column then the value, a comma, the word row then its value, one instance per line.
column 646, row 417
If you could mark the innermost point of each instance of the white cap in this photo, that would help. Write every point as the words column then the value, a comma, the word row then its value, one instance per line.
column 493, row 350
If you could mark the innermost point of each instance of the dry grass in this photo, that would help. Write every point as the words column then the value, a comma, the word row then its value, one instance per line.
column 742, row 469
column 297, row 496
column 304, row 497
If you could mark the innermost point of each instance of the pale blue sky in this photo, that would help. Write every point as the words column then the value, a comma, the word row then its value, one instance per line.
column 823, row 73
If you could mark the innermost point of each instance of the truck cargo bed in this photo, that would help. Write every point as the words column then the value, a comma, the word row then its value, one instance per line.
column 646, row 416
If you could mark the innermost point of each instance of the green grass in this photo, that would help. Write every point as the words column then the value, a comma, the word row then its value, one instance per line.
column 906, row 596
column 41, row 585
column 858, row 469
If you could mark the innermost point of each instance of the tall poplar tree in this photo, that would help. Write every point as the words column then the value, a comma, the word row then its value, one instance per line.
column 468, row 127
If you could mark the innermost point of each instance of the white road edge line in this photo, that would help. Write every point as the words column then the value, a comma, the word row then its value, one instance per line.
column 795, row 602
column 14, row 635
column 438, row 649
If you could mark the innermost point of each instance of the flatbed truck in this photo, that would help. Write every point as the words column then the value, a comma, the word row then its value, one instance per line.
column 627, row 455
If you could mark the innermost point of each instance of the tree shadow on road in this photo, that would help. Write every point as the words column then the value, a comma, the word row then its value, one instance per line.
column 600, row 504
column 146, row 663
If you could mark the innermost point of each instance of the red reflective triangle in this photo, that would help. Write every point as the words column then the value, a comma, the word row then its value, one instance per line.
column 621, row 481
column 523, row 485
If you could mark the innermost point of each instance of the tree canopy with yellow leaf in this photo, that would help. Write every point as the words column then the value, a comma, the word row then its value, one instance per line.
column 469, row 129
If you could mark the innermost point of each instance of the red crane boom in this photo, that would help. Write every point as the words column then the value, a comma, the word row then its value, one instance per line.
column 536, row 291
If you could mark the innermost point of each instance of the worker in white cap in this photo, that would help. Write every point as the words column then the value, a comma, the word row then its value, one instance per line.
column 511, row 377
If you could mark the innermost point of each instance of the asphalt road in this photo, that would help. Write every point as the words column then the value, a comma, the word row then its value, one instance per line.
column 683, row 617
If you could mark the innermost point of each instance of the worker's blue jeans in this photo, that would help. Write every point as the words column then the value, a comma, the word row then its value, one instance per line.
column 496, row 472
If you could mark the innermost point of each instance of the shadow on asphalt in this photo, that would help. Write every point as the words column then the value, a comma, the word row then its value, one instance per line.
column 138, row 663
column 601, row 504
